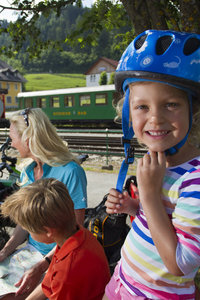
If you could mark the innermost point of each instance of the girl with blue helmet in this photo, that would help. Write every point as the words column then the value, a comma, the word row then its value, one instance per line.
column 159, row 73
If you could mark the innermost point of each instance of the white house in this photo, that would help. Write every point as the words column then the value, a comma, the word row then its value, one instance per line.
column 102, row 64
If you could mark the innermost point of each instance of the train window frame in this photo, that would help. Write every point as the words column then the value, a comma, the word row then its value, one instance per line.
column 28, row 102
column 69, row 99
column 80, row 100
column 41, row 102
column 105, row 97
column 54, row 100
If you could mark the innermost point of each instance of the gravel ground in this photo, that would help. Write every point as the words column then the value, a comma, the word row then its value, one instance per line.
column 107, row 165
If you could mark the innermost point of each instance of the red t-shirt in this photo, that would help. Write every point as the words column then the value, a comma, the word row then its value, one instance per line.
column 79, row 269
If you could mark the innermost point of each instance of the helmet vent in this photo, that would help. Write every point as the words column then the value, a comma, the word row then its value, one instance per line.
column 191, row 46
column 140, row 41
column 163, row 44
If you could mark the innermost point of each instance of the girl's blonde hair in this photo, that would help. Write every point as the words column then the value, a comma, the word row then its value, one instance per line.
column 44, row 142
column 46, row 202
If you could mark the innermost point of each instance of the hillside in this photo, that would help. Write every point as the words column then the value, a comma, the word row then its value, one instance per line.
column 46, row 81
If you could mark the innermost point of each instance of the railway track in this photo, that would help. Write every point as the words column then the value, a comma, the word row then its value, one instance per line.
column 101, row 144
column 95, row 143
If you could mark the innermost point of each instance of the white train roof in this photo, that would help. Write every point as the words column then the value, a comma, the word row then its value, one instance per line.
column 101, row 88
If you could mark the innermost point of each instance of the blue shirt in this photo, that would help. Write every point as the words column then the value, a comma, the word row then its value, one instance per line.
column 73, row 176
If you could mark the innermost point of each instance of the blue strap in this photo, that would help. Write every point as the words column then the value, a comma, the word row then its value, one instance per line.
column 127, row 136
column 122, row 176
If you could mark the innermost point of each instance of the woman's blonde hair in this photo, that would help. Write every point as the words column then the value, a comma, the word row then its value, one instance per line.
column 44, row 142
column 46, row 202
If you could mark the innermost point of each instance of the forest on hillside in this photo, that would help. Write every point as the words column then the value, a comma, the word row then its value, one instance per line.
column 63, row 36
column 68, row 59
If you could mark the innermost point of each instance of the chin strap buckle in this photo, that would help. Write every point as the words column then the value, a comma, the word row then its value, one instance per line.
column 129, row 150
column 129, row 159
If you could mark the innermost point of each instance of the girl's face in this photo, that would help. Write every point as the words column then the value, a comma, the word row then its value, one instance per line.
column 160, row 115
column 16, row 143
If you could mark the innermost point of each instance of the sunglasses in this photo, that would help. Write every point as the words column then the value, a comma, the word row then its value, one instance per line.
column 25, row 113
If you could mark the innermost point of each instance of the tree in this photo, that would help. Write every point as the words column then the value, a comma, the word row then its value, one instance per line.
column 112, row 78
column 74, row 59
column 103, row 78
column 180, row 15
column 25, row 27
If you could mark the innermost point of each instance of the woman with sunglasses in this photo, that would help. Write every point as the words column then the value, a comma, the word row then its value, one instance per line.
column 34, row 136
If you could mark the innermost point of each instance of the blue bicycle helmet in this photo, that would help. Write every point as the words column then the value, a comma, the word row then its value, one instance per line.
column 163, row 56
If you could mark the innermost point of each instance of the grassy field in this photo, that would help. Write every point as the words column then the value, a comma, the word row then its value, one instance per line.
column 39, row 82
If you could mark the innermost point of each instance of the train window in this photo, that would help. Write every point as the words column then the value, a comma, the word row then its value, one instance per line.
column 41, row 102
column 84, row 100
column 101, row 99
column 28, row 102
column 69, row 101
column 55, row 102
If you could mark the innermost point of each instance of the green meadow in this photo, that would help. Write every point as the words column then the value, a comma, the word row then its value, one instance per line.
column 39, row 82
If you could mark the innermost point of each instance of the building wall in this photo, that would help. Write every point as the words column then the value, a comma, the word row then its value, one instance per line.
column 93, row 79
column 102, row 66
column 93, row 74
column 13, row 89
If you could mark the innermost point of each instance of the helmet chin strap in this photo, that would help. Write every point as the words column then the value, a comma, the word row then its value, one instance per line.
column 128, row 134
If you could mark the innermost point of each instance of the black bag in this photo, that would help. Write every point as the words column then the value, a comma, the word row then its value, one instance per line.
column 109, row 230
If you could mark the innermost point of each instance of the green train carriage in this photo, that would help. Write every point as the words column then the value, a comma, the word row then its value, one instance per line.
column 82, row 106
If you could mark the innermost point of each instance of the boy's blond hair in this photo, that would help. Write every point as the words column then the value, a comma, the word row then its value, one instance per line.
column 45, row 202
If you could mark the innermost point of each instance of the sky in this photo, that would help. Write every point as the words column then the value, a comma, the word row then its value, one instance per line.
column 10, row 16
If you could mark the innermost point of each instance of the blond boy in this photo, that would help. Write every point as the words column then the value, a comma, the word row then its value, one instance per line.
column 79, row 268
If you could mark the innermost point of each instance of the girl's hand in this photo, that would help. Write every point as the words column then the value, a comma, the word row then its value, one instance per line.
column 150, row 173
column 121, row 203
